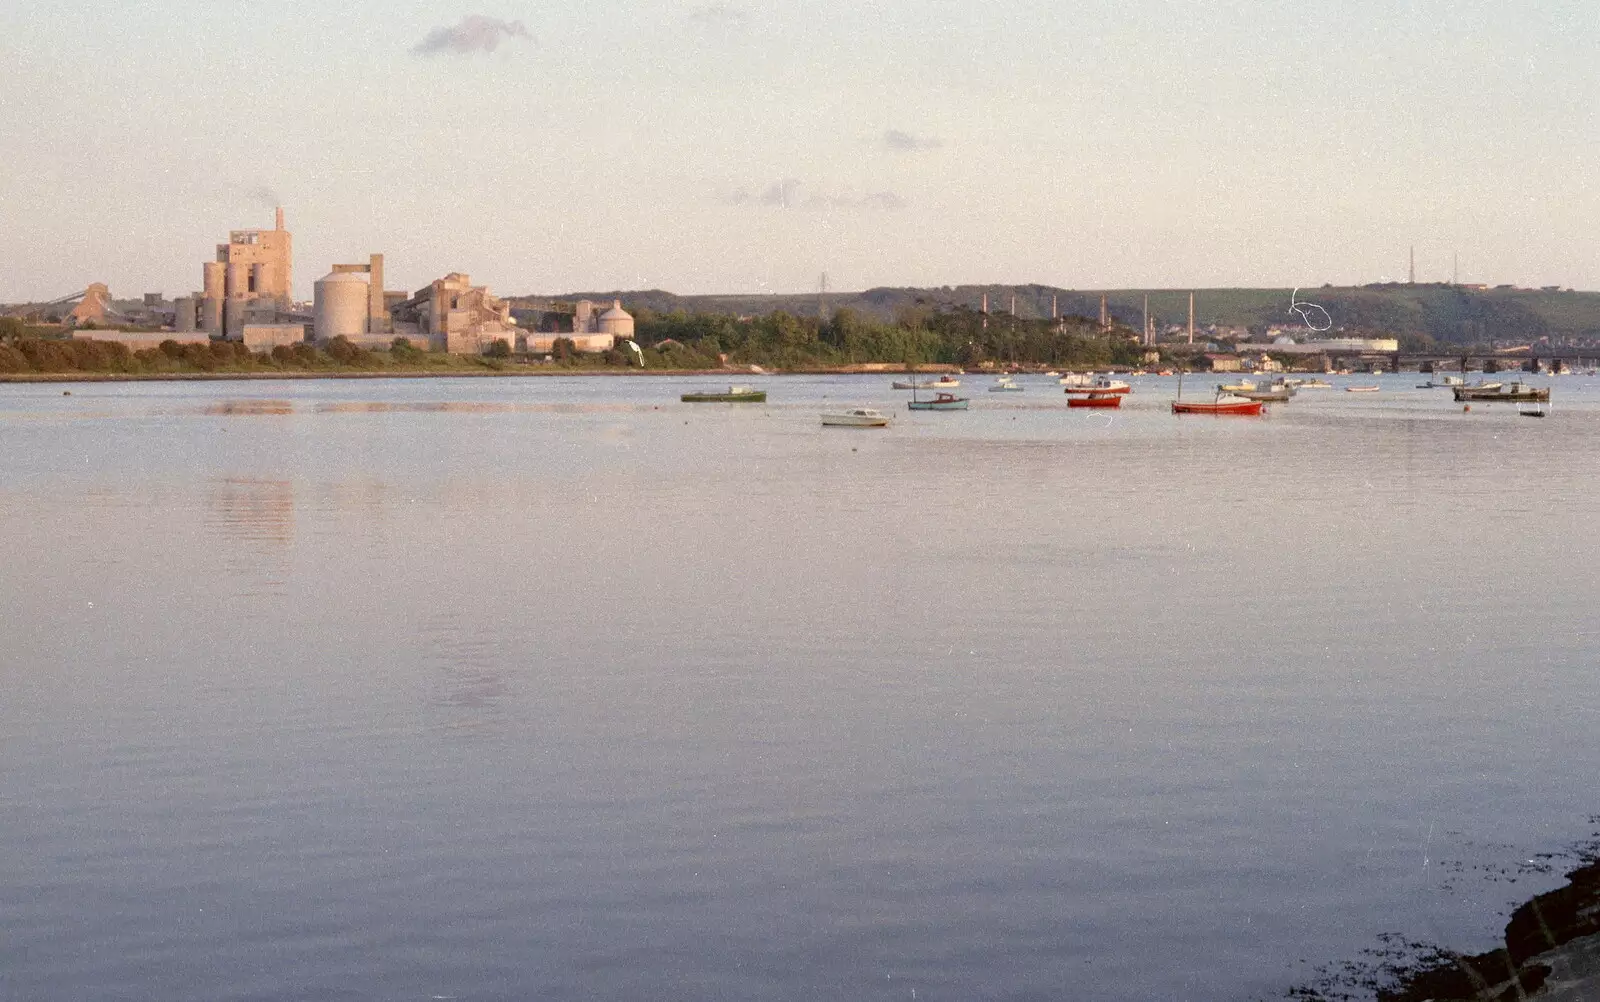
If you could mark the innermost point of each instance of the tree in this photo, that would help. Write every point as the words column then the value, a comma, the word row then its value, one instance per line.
column 499, row 348
column 11, row 328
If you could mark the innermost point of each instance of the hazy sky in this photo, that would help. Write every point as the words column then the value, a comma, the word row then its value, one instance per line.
column 742, row 147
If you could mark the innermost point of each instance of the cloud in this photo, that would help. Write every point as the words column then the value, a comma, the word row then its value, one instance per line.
column 475, row 33
column 905, row 142
column 791, row 194
column 717, row 13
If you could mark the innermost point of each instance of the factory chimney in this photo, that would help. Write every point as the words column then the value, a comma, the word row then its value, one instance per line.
column 280, row 219
column 1191, row 318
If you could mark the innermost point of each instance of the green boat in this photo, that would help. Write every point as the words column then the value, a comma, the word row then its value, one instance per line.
column 735, row 395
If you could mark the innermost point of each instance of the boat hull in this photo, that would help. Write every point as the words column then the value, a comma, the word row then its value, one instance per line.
column 937, row 405
column 757, row 397
column 1525, row 395
column 1106, row 400
column 1098, row 390
column 1244, row 407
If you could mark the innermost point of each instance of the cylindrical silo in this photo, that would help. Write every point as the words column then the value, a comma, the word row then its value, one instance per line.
column 238, row 279
column 233, row 318
column 215, row 275
column 211, row 315
column 617, row 322
column 183, row 315
column 340, row 305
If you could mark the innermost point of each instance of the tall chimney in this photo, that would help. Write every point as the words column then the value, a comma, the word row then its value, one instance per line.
column 1191, row 318
column 280, row 218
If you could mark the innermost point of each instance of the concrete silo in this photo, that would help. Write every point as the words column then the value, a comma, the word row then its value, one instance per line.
column 617, row 322
column 183, row 310
column 215, row 280
column 340, row 305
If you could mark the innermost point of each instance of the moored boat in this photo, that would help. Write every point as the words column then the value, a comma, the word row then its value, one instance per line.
column 1095, row 400
column 734, row 395
column 940, row 402
column 1005, row 384
column 1316, row 384
column 1278, row 392
column 855, row 417
column 1104, row 384
column 1362, row 389
column 1225, row 403
column 1517, row 392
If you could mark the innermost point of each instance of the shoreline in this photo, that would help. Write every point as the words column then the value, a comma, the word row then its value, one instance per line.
column 529, row 372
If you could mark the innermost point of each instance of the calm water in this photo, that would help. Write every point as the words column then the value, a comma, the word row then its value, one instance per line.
column 559, row 688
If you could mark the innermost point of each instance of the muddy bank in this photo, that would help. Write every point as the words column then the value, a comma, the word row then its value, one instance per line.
column 1550, row 951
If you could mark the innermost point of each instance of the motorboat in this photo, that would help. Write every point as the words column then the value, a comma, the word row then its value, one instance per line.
column 1517, row 392
column 940, row 402
column 1005, row 384
column 734, row 395
column 855, row 417
column 1362, row 389
column 1225, row 403
column 1278, row 392
column 1105, row 384
column 1074, row 380
column 1442, row 383
column 1108, row 400
column 1315, row 384
column 1242, row 386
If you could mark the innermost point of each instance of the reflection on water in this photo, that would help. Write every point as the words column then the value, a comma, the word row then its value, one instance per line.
column 255, row 520
column 249, row 407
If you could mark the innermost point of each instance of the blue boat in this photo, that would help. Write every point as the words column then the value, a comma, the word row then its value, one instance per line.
column 940, row 402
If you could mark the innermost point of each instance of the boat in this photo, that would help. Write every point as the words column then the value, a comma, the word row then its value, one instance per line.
column 1517, row 392
column 1005, row 384
column 1442, row 383
column 1111, row 400
column 1105, row 384
column 855, row 417
column 1242, row 386
column 1225, row 403
column 734, row 395
column 1278, row 392
column 1362, row 389
column 1052, row 373
column 942, row 383
column 1315, row 384
column 1533, row 412
column 940, row 402
column 1084, row 380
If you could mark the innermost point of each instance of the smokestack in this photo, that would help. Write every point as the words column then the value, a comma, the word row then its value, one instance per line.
column 1104, row 319
column 279, row 227
column 1055, row 306
column 1191, row 318
column 1411, row 272
column 985, row 311
column 1013, row 304
column 1147, row 319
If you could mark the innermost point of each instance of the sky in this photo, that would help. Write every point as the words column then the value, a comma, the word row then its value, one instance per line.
column 741, row 147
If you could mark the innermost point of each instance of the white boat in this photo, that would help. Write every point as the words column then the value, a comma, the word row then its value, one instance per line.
column 855, row 417
column 1005, row 384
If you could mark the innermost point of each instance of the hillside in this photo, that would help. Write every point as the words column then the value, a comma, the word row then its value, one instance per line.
column 1446, row 313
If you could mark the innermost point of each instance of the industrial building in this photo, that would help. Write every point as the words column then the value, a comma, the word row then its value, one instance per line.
column 592, row 331
column 452, row 314
column 351, row 302
column 249, row 283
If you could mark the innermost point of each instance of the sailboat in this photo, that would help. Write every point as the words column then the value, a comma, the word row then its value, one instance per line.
column 940, row 402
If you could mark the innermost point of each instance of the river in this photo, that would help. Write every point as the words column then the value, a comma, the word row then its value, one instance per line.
column 560, row 688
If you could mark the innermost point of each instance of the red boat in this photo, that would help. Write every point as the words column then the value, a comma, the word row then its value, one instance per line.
column 1096, row 400
column 1226, row 403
